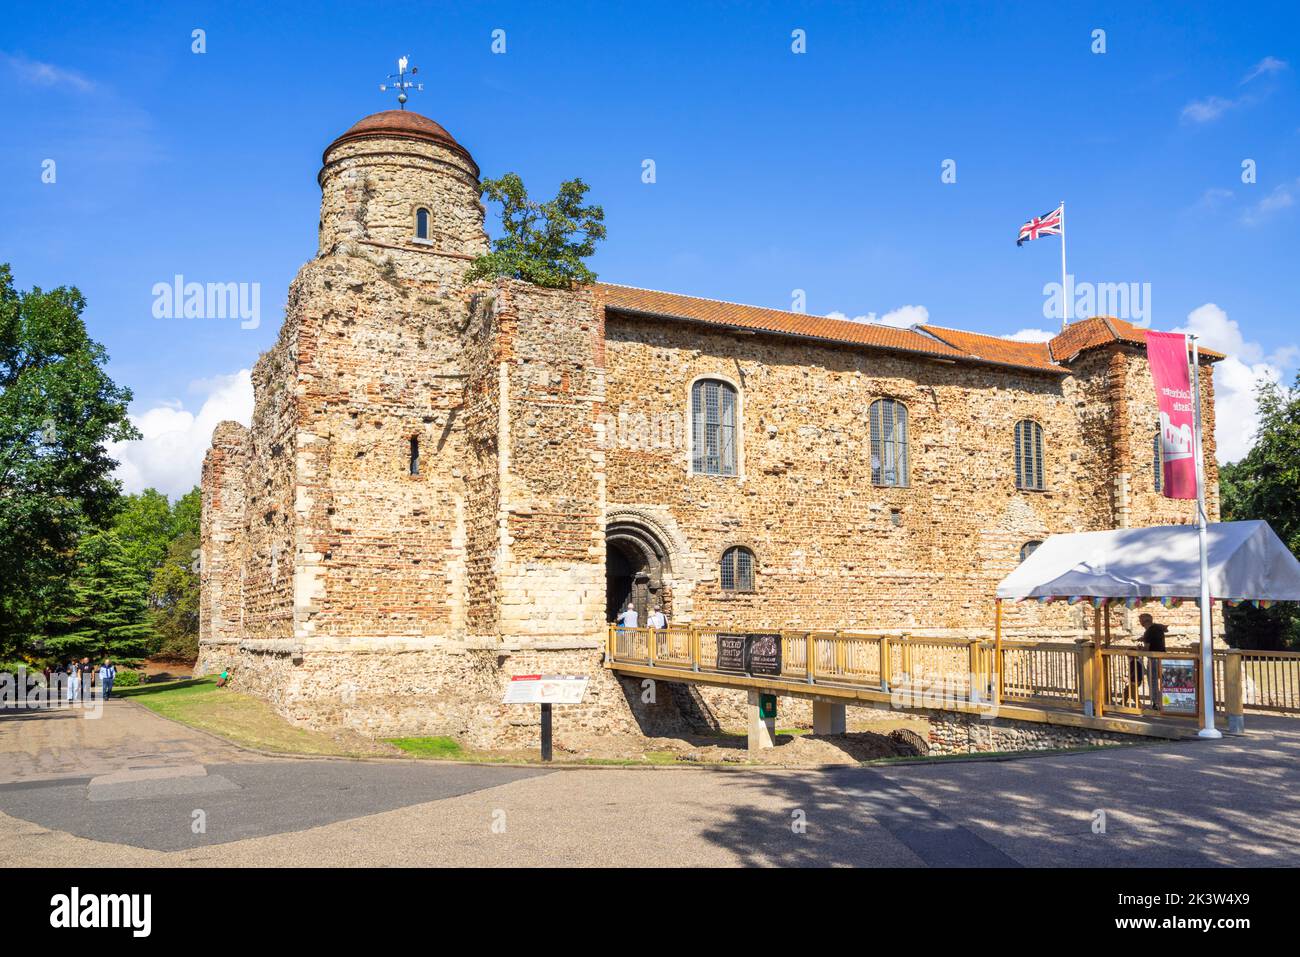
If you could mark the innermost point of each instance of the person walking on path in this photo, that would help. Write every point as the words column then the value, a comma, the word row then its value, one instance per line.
column 87, row 679
column 74, row 681
column 107, row 673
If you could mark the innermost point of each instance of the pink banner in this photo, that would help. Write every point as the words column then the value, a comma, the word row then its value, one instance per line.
column 1167, row 355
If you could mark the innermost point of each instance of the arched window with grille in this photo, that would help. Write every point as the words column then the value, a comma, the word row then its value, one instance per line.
column 421, row 223
column 1029, row 455
column 1158, row 462
column 1028, row 549
column 715, row 423
column 737, row 570
column 888, row 442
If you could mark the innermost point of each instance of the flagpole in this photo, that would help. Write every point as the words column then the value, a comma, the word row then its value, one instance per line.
column 1208, row 730
column 1065, row 293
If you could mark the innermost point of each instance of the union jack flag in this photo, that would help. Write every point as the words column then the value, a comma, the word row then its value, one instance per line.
column 1048, row 224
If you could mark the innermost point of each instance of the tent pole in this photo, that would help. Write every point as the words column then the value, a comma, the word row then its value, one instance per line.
column 997, row 654
column 1208, row 730
column 1099, row 666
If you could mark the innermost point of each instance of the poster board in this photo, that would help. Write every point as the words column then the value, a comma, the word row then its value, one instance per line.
column 1178, row 685
column 731, row 652
column 750, row 653
column 546, row 689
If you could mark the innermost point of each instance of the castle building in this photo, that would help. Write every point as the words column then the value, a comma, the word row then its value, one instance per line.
column 445, row 484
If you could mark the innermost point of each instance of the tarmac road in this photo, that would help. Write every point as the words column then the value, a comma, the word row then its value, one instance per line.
column 126, row 792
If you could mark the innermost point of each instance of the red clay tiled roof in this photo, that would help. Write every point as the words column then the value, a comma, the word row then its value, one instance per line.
column 1100, row 330
column 1009, row 352
column 648, row 302
column 935, row 341
column 401, row 123
column 627, row 299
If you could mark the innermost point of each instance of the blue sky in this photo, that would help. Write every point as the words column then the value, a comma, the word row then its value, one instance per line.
column 775, row 171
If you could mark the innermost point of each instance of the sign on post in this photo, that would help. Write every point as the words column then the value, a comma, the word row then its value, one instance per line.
column 546, row 690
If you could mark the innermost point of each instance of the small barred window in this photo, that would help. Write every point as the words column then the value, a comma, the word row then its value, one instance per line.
column 1029, row 455
column 737, row 571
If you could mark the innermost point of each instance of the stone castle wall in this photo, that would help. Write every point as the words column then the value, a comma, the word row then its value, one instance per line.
column 831, row 549
column 351, row 590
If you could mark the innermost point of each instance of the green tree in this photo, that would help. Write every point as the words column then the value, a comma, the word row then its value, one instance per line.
column 544, row 243
column 58, row 408
column 174, row 592
column 1265, row 484
column 107, row 612
column 145, row 526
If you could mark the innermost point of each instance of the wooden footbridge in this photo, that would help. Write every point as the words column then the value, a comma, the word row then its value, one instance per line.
column 1084, row 684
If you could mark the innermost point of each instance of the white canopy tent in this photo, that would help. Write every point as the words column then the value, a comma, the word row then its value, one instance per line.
column 1246, row 561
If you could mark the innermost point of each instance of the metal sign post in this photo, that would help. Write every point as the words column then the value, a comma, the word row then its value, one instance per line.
column 546, row 731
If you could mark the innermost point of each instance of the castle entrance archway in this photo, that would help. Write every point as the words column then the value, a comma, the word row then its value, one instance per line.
column 636, row 569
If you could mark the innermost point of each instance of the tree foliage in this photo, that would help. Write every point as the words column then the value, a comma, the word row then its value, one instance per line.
column 1265, row 484
column 107, row 611
column 543, row 243
column 58, row 409
column 174, row 591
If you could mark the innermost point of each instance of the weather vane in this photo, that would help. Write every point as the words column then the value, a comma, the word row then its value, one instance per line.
column 398, row 81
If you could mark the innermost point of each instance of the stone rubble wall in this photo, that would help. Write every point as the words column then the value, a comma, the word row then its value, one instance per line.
column 349, row 592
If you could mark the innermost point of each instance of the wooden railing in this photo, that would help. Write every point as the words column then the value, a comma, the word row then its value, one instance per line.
column 1270, row 680
column 1050, row 675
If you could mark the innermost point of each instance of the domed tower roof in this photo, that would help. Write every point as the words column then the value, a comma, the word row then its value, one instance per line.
column 405, row 124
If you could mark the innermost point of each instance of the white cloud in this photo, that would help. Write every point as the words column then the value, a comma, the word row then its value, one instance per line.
column 1210, row 108
column 1265, row 67
column 1031, row 335
column 45, row 74
column 1236, row 377
column 904, row 317
column 1282, row 197
column 169, row 457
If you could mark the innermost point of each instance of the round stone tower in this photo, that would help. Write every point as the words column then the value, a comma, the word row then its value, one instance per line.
column 398, row 181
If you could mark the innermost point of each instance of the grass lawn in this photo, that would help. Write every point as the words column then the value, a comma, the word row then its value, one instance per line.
column 243, row 719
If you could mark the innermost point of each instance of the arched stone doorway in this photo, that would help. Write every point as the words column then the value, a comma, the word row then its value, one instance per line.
column 636, row 568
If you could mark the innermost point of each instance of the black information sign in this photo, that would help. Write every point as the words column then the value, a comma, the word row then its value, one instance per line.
column 755, row 654
column 731, row 652
column 763, row 654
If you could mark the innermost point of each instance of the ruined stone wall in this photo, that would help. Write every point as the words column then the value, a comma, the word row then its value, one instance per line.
column 222, row 543
column 270, row 479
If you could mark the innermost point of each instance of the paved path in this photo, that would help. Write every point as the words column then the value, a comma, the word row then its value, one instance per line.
column 127, row 793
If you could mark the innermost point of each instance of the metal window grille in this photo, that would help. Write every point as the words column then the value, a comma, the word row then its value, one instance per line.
column 888, row 442
column 1029, row 455
column 713, row 428
column 737, row 571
